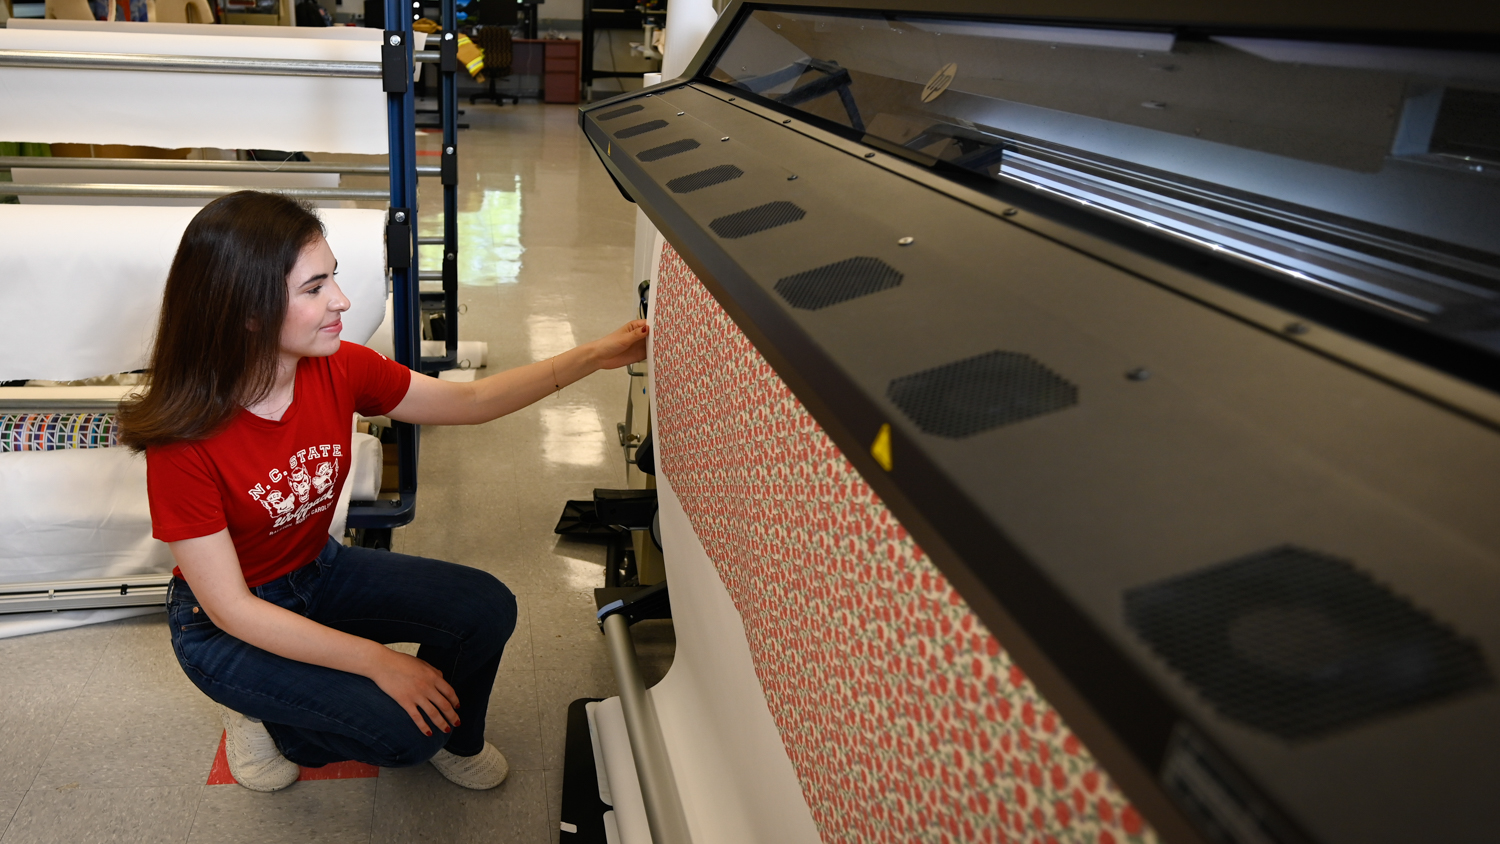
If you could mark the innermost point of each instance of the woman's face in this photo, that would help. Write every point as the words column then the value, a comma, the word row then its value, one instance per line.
column 314, row 303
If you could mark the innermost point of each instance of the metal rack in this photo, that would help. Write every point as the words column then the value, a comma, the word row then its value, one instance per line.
column 396, row 70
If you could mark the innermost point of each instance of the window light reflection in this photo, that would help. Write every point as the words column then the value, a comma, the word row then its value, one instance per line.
column 572, row 436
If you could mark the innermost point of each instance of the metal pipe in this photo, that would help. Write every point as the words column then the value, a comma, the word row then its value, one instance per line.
column 54, row 59
column 430, row 241
column 186, row 191
column 138, row 591
column 40, row 163
column 430, row 275
column 428, row 58
column 652, row 767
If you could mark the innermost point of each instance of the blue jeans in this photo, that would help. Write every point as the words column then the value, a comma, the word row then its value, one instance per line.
column 460, row 616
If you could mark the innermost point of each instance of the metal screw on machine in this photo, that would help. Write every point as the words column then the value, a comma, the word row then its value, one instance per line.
column 1009, row 212
column 447, row 36
column 1296, row 329
column 681, row 113
column 906, row 241
column 792, row 178
column 449, row 150
column 450, row 256
column 869, row 155
column 400, row 216
column 725, row 138
column 395, row 41
column 1140, row 373
column 784, row 122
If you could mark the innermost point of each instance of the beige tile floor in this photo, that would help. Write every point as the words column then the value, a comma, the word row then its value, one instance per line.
column 102, row 738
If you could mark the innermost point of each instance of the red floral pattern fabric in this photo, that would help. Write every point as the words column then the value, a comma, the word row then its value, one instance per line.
column 903, row 716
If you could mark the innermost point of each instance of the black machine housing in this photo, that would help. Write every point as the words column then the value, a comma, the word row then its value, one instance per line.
column 1172, row 333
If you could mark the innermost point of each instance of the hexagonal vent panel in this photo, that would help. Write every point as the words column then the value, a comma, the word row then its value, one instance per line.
column 1299, row 644
column 976, row 394
column 837, row 282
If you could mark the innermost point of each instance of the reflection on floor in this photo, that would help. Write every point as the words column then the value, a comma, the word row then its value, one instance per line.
column 102, row 737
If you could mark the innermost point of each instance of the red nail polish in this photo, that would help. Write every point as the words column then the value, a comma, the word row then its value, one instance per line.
column 458, row 723
column 447, row 729
column 429, row 732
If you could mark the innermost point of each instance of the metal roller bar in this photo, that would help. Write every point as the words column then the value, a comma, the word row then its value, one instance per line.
column 190, row 64
column 7, row 162
column 428, row 58
column 429, row 241
column 138, row 591
column 186, row 191
column 652, row 767
column 430, row 275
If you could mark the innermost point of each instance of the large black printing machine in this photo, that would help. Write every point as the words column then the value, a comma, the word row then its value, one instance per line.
column 1186, row 326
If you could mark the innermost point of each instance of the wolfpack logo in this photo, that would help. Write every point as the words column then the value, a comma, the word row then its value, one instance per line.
column 307, row 487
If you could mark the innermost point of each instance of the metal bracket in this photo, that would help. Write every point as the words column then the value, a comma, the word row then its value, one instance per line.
column 398, row 246
column 395, row 73
column 448, row 54
column 650, row 602
column 449, row 162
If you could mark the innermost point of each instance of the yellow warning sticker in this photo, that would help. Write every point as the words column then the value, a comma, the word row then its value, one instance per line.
column 881, row 448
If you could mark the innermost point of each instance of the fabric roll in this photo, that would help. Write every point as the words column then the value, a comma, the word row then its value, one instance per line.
column 83, row 284
column 53, row 431
column 184, row 109
column 624, row 786
column 76, row 514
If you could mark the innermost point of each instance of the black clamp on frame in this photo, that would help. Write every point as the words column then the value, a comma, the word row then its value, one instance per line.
column 449, row 162
column 394, row 75
column 448, row 53
column 398, row 239
column 648, row 603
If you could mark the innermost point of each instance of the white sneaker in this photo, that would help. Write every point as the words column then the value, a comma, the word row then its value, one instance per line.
column 483, row 770
column 253, row 758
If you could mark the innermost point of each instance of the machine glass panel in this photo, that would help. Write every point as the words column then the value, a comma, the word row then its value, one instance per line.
column 1371, row 172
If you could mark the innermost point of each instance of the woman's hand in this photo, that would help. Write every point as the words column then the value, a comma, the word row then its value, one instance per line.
column 625, row 346
column 419, row 689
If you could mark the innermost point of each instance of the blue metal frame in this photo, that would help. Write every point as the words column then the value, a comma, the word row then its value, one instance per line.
column 401, row 119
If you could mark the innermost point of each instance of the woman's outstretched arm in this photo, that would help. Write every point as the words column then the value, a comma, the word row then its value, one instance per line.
column 430, row 401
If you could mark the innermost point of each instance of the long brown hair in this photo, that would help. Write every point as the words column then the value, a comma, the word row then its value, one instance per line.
column 220, row 328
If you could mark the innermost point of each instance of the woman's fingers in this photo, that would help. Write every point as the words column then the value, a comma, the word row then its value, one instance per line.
column 416, row 718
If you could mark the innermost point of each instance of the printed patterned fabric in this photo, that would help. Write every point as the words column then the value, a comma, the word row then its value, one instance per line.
column 903, row 716
column 53, row 431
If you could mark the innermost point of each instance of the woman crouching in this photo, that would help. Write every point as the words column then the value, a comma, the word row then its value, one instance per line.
column 246, row 429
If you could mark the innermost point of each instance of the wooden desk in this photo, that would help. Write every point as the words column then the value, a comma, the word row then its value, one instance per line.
column 556, row 62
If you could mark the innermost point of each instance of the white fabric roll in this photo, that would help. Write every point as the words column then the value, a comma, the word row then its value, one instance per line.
column 83, row 284
column 624, row 786
column 688, row 23
column 341, row 33
column 76, row 514
column 366, row 460
column 266, row 179
column 183, row 109
column 601, row 773
column 27, row 623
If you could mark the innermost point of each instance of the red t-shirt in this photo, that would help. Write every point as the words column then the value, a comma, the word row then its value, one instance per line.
column 274, row 484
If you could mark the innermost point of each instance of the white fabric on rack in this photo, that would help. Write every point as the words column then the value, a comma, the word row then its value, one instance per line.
column 339, row 33
column 27, row 623
column 83, row 284
column 76, row 514
column 184, row 109
column 266, row 179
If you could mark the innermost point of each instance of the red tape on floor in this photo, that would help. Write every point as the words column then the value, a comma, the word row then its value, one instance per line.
column 219, row 774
